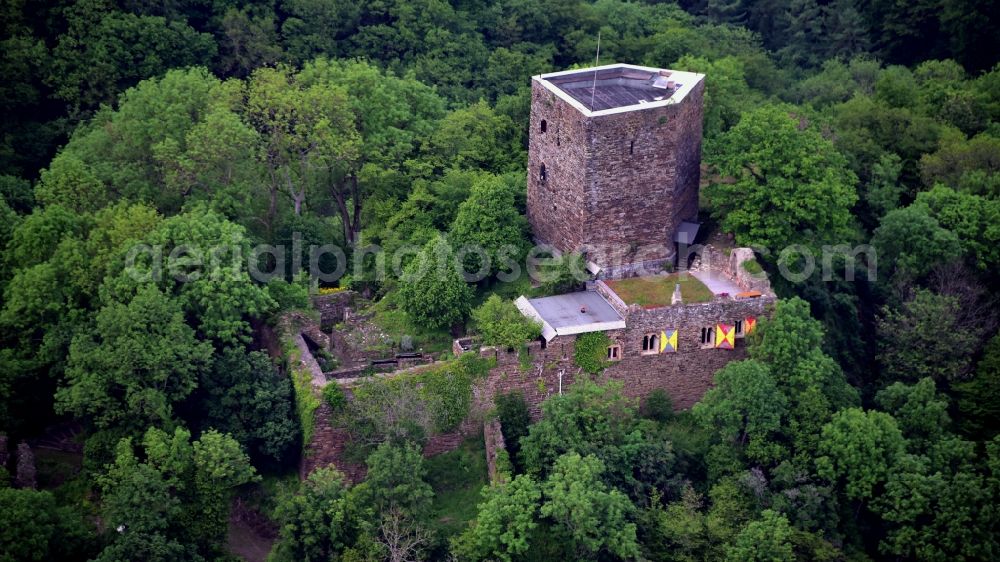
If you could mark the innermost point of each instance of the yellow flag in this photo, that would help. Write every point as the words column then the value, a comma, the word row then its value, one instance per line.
column 668, row 341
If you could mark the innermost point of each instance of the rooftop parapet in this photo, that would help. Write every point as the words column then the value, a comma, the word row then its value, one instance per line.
column 616, row 88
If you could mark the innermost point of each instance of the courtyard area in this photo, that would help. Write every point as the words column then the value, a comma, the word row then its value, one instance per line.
column 654, row 291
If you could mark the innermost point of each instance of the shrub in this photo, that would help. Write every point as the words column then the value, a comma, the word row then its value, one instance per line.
column 566, row 274
column 448, row 394
column 412, row 407
column 335, row 397
column 524, row 358
column 658, row 406
column 289, row 296
column 432, row 293
column 752, row 267
column 502, row 324
column 512, row 411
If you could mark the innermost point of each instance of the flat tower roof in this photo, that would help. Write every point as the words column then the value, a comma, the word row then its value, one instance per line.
column 615, row 88
column 572, row 313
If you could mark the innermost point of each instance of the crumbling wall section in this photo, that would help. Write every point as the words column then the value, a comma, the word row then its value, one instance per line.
column 493, row 437
column 327, row 447
column 333, row 308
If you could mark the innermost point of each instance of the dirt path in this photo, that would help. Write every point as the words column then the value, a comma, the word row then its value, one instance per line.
column 251, row 535
column 246, row 544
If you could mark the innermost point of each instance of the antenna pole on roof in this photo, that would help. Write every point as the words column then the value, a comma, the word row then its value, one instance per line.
column 597, row 62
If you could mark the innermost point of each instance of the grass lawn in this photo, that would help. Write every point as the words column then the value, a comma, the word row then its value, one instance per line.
column 508, row 290
column 396, row 324
column 656, row 290
column 457, row 478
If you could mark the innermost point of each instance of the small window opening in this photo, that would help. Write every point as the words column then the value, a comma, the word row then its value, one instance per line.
column 739, row 328
column 544, row 125
column 542, row 175
column 651, row 343
column 614, row 352
column 708, row 336
column 631, row 147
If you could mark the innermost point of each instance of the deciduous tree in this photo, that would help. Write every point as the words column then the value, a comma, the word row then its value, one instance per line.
column 504, row 523
column 859, row 450
column 925, row 338
column 244, row 396
column 34, row 527
column 307, row 131
column 922, row 413
column 489, row 228
column 433, row 292
column 767, row 539
column 318, row 522
column 173, row 500
column 591, row 517
column 139, row 361
column 979, row 398
column 745, row 409
column 783, row 183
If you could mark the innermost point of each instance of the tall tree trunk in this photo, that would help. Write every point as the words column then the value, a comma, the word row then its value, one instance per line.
column 351, row 223
column 272, row 207
column 297, row 196
column 356, row 196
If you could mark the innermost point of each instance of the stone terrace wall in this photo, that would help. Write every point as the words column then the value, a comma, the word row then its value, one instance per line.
column 731, row 266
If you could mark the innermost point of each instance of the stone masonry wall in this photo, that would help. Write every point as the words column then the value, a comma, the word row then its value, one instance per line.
column 643, row 177
column 557, row 206
column 332, row 307
column 493, row 438
column 617, row 184
column 685, row 375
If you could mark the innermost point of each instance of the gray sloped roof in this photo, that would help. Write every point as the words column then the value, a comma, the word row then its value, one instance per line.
column 572, row 313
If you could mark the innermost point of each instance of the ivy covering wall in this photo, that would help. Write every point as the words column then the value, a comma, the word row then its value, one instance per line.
column 307, row 400
column 591, row 352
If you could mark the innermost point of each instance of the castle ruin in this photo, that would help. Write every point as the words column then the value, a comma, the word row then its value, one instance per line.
column 613, row 173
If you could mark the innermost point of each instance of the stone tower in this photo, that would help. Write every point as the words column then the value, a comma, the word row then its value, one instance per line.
column 614, row 164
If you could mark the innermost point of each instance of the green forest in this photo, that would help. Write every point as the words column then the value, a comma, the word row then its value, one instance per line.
column 862, row 426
